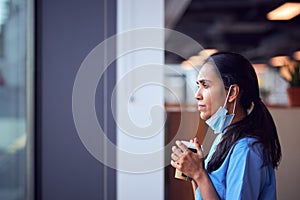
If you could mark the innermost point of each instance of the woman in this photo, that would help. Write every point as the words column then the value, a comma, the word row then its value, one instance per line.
column 242, row 159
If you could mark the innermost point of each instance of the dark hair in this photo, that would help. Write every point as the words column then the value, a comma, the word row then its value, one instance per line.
column 235, row 69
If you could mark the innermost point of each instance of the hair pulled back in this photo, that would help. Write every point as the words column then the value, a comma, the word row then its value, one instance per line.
column 236, row 69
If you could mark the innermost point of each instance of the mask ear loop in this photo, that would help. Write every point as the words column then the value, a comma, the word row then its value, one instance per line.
column 234, row 106
column 227, row 96
column 227, row 99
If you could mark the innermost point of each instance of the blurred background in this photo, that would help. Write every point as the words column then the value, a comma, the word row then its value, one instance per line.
column 244, row 27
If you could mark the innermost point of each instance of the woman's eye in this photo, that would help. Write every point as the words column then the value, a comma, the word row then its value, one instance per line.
column 205, row 85
column 202, row 85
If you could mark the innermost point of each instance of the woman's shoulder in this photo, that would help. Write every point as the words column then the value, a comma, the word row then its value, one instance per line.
column 248, row 145
column 247, row 141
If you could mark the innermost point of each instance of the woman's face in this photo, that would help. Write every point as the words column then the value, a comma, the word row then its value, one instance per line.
column 211, row 92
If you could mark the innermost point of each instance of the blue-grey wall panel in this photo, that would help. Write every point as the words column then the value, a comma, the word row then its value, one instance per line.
column 66, row 32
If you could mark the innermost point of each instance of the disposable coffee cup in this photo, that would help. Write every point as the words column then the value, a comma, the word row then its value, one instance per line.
column 178, row 173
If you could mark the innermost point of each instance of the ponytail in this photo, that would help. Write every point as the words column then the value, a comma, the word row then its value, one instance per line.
column 267, row 133
column 257, row 124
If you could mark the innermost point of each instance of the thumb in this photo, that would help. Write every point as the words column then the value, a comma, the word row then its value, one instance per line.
column 198, row 147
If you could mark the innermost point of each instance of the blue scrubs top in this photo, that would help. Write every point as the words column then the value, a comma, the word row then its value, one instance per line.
column 242, row 174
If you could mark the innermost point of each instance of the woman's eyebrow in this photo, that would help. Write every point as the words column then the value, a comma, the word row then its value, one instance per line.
column 202, row 81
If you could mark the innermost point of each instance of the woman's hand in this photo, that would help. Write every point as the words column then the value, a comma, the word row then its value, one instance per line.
column 183, row 159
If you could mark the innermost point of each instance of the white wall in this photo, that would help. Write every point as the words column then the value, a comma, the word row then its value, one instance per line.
column 288, row 176
column 140, row 102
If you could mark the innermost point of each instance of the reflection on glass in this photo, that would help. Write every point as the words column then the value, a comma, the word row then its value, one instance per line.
column 12, row 99
column 180, row 85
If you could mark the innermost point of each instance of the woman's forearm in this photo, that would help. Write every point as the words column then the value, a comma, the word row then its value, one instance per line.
column 206, row 187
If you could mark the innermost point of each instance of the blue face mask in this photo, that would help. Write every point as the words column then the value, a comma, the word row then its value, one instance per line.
column 219, row 121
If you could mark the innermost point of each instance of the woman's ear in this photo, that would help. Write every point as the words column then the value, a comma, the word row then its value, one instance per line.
column 234, row 92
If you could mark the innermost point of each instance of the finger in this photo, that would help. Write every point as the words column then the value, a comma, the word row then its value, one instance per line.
column 199, row 148
column 174, row 157
column 197, row 144
column 174, row 164
column 176, row 151
column 181, row 146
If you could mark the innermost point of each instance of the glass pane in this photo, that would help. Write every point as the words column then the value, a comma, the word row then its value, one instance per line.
column 13, row 161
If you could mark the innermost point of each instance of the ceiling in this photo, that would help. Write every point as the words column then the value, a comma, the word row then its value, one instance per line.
column 231, row 25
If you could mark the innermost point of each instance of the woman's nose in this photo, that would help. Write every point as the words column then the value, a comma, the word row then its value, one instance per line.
column 198, row 94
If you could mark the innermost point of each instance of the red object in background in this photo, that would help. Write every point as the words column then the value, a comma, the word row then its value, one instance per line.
column 293, row 96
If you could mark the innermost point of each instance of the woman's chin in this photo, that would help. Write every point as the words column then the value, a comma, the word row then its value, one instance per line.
column 203, row 116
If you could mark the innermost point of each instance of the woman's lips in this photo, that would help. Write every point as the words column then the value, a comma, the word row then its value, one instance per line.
column 201, row 107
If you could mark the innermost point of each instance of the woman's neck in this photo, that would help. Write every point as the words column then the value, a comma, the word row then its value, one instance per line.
column 239, row 114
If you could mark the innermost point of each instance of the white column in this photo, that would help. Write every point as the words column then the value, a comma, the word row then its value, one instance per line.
column 140, row 102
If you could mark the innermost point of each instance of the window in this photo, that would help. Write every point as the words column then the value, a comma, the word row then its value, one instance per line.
column 15, row 164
